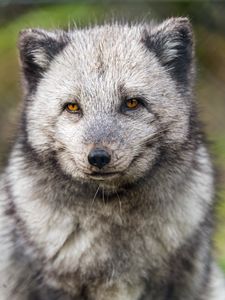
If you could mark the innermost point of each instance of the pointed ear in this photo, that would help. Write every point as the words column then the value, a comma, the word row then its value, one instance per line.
column 37, row 49
column 172, row 43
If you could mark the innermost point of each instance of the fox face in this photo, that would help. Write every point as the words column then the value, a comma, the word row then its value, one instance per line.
column 107, row 101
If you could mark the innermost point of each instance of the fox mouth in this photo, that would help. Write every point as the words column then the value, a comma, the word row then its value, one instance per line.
column 102, row 176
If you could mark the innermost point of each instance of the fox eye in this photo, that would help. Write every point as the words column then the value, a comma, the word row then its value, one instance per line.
column 72, row 107
column 132, row 103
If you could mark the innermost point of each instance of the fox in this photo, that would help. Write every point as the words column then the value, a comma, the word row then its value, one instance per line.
column 109, row 189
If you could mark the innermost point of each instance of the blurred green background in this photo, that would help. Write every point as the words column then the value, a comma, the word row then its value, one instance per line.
column 208, row 18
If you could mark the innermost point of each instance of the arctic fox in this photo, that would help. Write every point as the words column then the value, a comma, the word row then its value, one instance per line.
column 109, row 190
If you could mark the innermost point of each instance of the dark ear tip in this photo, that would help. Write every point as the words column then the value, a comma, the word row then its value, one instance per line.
column 180, row 23
column 26, row 32
column 29, row 33
column 24, row 36
column 181, row 20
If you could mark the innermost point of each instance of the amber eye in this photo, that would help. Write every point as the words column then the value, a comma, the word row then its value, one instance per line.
column 132, row 103
column 72, row 107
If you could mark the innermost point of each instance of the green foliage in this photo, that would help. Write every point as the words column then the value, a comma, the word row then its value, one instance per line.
column 48, row 17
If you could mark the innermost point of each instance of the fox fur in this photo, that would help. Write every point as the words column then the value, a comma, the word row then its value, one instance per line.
column 139, row 228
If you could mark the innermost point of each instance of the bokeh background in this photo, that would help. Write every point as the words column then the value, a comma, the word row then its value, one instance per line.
column 208, row 19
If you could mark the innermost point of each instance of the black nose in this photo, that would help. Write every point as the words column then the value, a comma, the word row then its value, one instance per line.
column 99, row 158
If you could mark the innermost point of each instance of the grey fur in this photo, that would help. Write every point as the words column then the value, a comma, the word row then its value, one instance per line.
column 143, row 233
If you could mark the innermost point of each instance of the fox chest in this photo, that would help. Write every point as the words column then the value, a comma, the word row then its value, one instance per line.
column 78, row 251
column 74, row 255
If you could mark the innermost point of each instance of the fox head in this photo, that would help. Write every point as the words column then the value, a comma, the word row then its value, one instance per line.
column 107, row 101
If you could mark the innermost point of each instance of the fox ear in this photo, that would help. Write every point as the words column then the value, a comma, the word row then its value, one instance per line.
column 172, row 43
column 37, row 48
